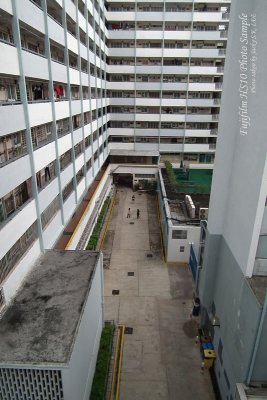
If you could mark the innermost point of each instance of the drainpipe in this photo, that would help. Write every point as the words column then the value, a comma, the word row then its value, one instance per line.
column 257, row 341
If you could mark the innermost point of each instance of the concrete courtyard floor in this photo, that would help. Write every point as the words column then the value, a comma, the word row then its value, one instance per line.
column 160, row 358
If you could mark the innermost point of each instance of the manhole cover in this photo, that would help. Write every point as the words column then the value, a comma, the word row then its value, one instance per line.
column 130, row 273
column 128, row 330
column 115, row 292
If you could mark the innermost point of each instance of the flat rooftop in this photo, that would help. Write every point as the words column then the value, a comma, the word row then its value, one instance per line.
column 259, row 287
column 196, row 184
column 40, row 325
column 179, row 211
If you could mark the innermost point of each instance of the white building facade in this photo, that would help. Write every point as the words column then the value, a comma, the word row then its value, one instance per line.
column 165, row 72
column 233, row 275
column 75, row 75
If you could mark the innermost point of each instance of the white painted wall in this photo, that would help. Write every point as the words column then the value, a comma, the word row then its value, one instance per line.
column 77, row 379
column 193, row 236
column 16, row 225
column 9, row 60
column 26, row 10
column 52, row 231
column 13, row 174
column 239, row 185
column 23, row 267
column 9, row 124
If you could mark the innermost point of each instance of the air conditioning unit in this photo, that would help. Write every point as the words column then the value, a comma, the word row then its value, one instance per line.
column 203, row 213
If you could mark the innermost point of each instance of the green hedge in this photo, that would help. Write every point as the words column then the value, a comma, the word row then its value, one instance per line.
column 98, row 226
column 98, row 391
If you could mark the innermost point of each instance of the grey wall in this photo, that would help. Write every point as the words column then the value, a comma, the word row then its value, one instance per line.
column 222, row 282
column 240, row 178
column 260, row 368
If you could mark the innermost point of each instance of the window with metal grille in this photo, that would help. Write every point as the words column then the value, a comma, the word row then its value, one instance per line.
column 8, row 262
column 49, row 212
column 67, row 190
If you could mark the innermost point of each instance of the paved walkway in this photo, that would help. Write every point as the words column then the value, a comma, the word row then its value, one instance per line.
column 160, row 360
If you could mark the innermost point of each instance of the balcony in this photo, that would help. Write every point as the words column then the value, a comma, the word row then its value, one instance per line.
column 57, row 52
column 32, row 41
column 9, row 91
column 63, row 127
column 6, row 34
column 25, row 12
column 45, row 175
column 41, row 135
column 12, row 146
column 54, row 11
column 14, row 200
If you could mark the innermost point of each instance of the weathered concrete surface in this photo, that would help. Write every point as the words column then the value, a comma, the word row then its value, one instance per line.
column 40, row 325
column 160, row 359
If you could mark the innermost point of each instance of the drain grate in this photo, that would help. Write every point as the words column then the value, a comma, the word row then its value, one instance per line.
column 128, row 330
column 149, row 255
column 130, row 273
column 115, row 292
column 131, row 223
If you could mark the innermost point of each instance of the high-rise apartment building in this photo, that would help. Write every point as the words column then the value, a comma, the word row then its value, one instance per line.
column 165, row 71
column 82, row 80
column 233, row 276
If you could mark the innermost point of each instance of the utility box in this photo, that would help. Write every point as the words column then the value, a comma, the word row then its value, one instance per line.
column 209, row 358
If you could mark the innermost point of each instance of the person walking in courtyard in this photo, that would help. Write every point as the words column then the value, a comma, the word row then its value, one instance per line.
column 133, row 197
column 138, row 213
column 129, row 213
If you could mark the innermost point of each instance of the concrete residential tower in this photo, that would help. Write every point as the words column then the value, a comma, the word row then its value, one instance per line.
column 233, row 276
column 82, row 80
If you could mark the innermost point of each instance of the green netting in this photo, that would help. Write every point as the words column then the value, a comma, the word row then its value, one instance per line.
column 193, row 180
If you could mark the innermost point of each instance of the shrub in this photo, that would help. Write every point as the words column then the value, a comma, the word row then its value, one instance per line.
column 98, row 226
column 102, row 364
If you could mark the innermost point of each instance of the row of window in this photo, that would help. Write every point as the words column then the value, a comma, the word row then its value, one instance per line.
column 165, row 140
column 185, row 62
column 56, row 12
column 163, row 78
column 163, row 110
column 34, row 42
column 160, row 7
column 17, row 197
column 195, row 44
column 196, row 157
column 14, row 145
column 10, row 259
column 38, row 91
column 162, row 125
column 171, row 94
column 169, row 26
